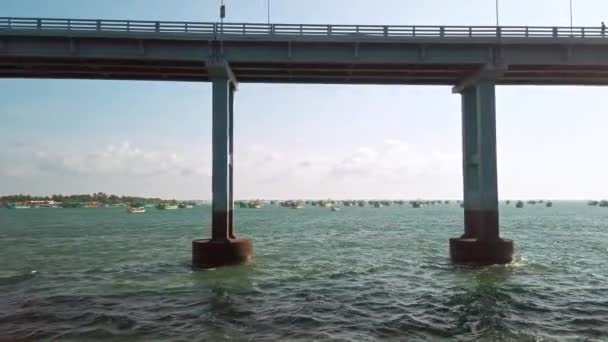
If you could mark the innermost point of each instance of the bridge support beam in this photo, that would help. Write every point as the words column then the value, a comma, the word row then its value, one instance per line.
column 481, row 243
column 224, row 248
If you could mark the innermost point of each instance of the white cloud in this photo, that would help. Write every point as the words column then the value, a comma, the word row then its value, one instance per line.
column 389, row 169
column 114, row 160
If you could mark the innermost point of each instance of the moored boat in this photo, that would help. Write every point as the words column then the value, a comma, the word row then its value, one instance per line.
column 17, row 205
column 136, row 210
column 92, row 205
column 257, row 204
column 519, row 204
column 167, row 206
column 297, row 205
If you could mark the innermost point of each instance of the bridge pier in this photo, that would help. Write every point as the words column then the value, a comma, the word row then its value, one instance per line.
column 224, row 248
column 481, row 243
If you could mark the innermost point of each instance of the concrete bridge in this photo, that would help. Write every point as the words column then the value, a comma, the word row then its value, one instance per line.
column 471, row 59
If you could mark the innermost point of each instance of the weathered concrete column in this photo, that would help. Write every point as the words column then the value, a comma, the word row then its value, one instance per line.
column 481, row 243
column 223, row 248
column 231, row 223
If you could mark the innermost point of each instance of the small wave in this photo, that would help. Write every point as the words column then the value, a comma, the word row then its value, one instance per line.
column 519, row 262
column 12, row 279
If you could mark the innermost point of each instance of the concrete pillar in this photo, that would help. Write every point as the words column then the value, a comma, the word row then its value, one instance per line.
column 224, row 248
column 221, row 182
column 479, row 162
column 481, row 242
column 231, row 223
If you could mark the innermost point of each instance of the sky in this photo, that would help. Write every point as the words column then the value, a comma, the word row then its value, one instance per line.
column 299, row 141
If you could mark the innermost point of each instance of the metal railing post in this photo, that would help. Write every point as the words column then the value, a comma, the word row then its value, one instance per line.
column 98, row 25
column 329, row 29
column 39, row 24
column 128, row 26
column 186, row 27
column 555, row 32
column 69, row 24
column 413, row 31
column 527, row 31
column 9, row 23
column 582, row 32
column 301, row 29
column 470, row 31
column 357, row 28
column 157, row 26
column 385, row 29
column 498, row 32
column 441, row 31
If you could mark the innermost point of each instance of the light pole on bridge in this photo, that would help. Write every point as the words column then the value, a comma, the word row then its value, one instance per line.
column 497, row 15
column 571, row 20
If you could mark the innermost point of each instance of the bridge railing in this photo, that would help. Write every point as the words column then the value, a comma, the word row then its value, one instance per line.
column 50, row 24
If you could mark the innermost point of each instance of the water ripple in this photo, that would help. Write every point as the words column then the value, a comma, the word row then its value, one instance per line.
column 363, row 275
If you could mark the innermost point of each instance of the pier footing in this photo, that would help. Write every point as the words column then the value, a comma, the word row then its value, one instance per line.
column 480, row 253
column 211, row 254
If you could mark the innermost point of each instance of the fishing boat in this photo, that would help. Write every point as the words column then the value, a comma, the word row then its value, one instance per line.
column 519, row 204
column 136, row 210
column 334, row 208
column 593, row 203
column 603, row 203
column 167, row 206
column 297, row 205
column 548, row 204
column 415, row 204
column 255, row 204
column 16, row 206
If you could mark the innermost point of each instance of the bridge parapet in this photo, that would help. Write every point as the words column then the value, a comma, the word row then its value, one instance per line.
column 8, row 24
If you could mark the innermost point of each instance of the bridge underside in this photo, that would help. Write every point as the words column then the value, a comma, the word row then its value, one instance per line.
column 324, row 73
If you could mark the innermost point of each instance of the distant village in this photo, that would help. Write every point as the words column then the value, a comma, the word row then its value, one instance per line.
column 96, row 200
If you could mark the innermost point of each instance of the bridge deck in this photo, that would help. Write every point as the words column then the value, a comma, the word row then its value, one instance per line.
column 378, row 54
